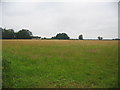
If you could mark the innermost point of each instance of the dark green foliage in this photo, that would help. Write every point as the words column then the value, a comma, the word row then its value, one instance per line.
column 116, row 39
column 100, row 38
column 24, row 34
column 44, row 38
column 10, row 34
column 6, row 74
column 80, row 37
column 36, row 37
column 61, row 36
column 0, row 33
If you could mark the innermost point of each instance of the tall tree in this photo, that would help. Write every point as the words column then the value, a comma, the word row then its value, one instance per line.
column 100, row 38
column 61, row 36
column 1, row 29
column 24, row 34
column 80, row 37
column 8, row 33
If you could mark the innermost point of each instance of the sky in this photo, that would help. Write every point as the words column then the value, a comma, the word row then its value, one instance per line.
column 46, row 19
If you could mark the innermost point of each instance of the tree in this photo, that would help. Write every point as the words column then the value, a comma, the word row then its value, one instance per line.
column 24, row 34
column 44, row 38
column 100, row 38
column 1, row 32
column 8, row 33
column 61, row 36
column 53, row 37
column 80, row 37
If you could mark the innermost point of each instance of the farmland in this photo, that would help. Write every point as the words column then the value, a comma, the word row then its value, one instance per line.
column 60, row 63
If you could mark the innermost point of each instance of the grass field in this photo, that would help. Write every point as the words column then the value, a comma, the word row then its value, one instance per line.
column 60, row 64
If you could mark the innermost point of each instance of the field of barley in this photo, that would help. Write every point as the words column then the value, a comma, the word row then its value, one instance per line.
column 60, row 63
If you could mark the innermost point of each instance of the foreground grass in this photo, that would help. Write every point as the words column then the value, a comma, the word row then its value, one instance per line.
column 60, row 63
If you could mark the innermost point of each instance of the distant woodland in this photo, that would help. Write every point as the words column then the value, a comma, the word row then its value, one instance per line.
column 27, row 34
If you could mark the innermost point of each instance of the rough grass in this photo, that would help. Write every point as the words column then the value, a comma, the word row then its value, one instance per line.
column 60, row 64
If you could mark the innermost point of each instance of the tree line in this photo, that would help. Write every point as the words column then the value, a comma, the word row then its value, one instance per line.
column 21, row 34
column 26, row 34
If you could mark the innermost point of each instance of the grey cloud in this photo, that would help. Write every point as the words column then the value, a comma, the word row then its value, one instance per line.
column 46, row 19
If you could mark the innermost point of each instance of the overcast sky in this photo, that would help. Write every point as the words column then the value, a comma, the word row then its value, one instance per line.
column 46, row 19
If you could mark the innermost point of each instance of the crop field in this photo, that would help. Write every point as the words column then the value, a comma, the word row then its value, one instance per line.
column 60, row 63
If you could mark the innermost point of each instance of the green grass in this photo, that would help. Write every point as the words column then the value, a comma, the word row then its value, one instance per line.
column 60, row 64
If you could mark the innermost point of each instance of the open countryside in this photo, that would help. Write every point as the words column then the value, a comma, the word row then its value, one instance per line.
column 60, row 63
column 59, row 44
